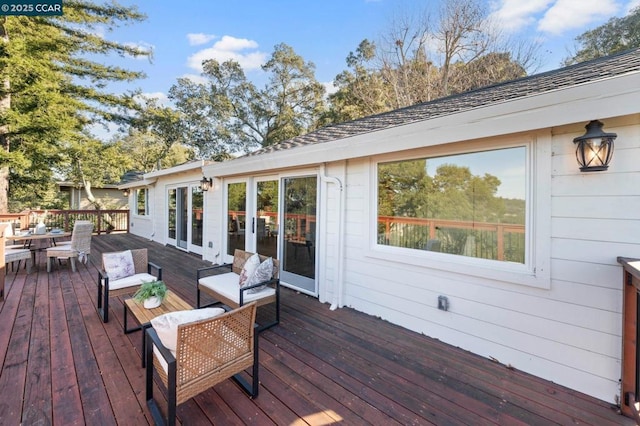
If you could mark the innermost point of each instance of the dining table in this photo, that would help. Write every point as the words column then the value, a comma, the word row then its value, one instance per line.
column 29, row 237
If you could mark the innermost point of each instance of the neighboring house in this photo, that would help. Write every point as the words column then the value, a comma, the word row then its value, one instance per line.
column 474, row 203
column 109, row 196
column 167, row 206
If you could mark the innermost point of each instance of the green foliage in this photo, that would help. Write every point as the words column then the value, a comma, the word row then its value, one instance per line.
column 52, row 91
column 150, row 289
column 229, row 115
column 403, row 69
column 616, row 35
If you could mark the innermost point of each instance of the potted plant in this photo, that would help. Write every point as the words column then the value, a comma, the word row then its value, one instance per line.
column 151, row 294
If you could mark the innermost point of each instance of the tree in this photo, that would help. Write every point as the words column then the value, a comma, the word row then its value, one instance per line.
column 229, row 115
column 420, row 59
column 51, row 91
column 616, row 35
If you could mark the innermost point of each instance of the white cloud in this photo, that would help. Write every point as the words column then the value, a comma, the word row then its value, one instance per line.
column 230, row 48
column 329, row 87
column 632, row 5
column 196, row 39
column 570, row 14
column 198, row 79
column 161, row 97
column 513, row 15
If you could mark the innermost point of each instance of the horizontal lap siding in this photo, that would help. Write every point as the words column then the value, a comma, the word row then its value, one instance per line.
column 569, row 334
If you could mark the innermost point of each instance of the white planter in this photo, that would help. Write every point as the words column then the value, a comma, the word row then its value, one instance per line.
column 152, row 302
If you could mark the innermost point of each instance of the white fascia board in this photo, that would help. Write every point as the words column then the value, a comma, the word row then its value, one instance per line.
column 187, row 167
column 581, row 103
column 137, row 184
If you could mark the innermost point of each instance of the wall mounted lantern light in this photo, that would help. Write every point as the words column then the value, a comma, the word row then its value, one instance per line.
column 125, row 192
column 205, row 184
column 595, row 148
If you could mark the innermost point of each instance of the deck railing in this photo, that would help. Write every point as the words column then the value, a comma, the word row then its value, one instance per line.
column 630, row 382
column 104, row 221
column 497, row 241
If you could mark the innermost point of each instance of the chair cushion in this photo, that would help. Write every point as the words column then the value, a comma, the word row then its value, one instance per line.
column 133, row 280
column 61, row 250
column 227, row 285
column 263, row 273
column 166, row 325
column 249, row 269
column 11, row 255
column 118, row 265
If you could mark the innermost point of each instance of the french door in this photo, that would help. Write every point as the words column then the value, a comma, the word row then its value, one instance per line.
column 298, row 247
column 185, row 217
column 276, row 217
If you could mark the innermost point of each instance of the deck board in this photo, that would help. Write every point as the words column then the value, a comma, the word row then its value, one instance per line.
column 61, row 365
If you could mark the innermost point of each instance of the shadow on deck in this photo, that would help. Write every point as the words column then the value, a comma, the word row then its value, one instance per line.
column 61, row 365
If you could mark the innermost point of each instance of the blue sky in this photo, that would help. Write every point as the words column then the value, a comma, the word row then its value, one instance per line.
column 183, row 33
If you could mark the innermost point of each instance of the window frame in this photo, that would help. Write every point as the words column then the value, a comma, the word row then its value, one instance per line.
column 535, row 271
column 146, row 202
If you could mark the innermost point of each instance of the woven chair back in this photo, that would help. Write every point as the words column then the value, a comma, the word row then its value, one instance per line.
column 81, row 237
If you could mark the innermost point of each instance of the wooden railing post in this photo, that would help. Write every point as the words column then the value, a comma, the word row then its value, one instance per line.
column 629, row 386
column 2, row 262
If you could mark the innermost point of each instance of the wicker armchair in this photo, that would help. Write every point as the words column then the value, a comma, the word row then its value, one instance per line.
column 223, row 286
column 108, row 286
column 207, row 352
column 79, row 247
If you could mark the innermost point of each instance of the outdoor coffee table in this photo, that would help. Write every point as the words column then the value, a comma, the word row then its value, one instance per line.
column 171, row 303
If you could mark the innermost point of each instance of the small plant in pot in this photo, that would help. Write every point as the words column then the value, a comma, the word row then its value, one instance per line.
column 151, row 294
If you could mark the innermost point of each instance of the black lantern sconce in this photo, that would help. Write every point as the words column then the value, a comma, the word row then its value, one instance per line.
column 125, row 192
column 205, row 184
column 595, row 148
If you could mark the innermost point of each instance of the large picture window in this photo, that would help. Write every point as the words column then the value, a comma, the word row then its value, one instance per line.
column 471, row 204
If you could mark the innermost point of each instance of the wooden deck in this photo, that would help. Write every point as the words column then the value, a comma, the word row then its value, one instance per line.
column 61, row 365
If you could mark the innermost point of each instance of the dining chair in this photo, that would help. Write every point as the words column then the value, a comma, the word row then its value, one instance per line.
column 78, row 248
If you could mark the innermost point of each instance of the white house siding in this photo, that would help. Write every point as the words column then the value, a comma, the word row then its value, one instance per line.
column 154, row 225
column 570, row 333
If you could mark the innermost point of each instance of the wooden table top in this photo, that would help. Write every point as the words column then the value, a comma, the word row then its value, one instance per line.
column 39, row 236
column 171, row 303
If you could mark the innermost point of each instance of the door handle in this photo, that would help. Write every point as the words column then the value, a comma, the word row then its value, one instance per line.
column 253, row 225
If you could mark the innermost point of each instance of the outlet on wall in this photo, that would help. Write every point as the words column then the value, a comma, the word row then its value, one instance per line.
column 443, row 303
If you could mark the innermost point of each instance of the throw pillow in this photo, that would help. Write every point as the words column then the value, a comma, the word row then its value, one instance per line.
column 166, row 325
column 249, row 268
column 118, row 265
column 263, row 273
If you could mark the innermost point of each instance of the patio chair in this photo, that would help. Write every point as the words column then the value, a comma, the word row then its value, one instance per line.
column 8, row 232
column 78, row 248
column 123, row 273
column 207, row 352
column 225, row 287
column 18, row 254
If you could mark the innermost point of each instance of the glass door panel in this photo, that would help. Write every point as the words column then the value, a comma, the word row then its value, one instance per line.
column 236, row 216
column 182, row 218
column 267, row 221
column 197, row 216
column 299, row 245
column 171, row 201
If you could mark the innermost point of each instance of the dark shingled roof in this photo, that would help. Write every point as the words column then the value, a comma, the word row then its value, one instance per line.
column 597, row 69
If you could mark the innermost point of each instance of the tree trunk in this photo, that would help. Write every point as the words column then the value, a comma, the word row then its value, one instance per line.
column 5, row 104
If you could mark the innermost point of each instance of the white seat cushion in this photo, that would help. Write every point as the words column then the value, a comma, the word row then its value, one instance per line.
column 227, row 286
column 11, row 255
column 137, row 279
